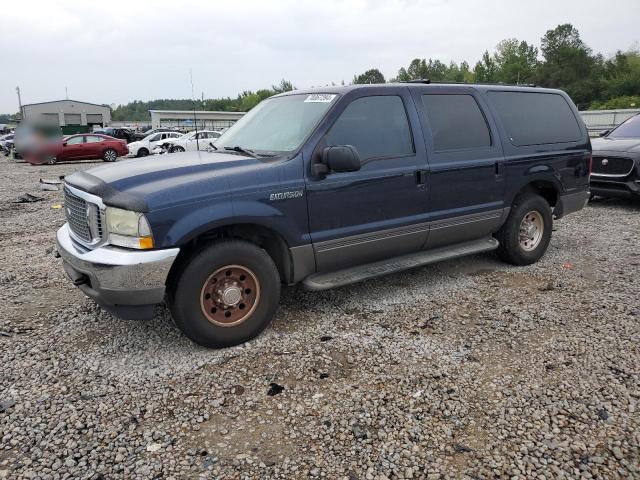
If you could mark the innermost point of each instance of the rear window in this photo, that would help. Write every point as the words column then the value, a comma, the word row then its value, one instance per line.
column 536, row 118
column 456, row 122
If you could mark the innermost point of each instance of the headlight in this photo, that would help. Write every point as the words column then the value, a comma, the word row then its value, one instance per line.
column 128, row 229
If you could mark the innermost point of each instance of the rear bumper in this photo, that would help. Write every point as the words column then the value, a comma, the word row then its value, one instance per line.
column 128, row 283
column 570, row 203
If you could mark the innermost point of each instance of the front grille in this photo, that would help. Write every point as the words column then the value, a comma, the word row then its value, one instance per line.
column 617, row 166
column 85, row 219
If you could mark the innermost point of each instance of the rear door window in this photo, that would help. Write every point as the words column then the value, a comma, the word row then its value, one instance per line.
column 456, row 121
column 532, row 118
column 376, row 126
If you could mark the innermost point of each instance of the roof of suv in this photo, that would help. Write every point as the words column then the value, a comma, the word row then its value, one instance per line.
column 342, row 89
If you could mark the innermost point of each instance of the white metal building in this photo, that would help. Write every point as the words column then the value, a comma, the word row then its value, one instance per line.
column 67, row 113
column 185, row 118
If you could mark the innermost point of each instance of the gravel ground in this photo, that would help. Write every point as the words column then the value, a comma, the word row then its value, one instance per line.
column 465, row 369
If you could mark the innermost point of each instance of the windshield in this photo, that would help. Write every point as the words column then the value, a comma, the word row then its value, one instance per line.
column 277, row 125
column 627, row 129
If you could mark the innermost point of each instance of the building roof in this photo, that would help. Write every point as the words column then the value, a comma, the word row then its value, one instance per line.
column 198, row 112
column 66, row 100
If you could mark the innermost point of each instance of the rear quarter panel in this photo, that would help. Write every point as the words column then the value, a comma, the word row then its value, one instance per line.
column 565, row 165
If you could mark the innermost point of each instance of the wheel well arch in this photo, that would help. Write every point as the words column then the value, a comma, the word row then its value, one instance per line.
column 545, row 188
column 264, row 237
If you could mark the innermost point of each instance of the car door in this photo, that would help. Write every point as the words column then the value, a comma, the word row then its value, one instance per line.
column 72, row 148
column 467, row 179
column 380, row 210
column 94, row 146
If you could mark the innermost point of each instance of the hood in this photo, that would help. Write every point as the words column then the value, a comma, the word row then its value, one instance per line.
column 164, row 180
column 606, row 144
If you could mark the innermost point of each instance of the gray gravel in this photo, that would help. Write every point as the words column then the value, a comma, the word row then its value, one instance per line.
column 466, row 369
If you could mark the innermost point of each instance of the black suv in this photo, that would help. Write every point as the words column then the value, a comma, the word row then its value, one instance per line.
column 122, row 133
column 616, row 161
column 325, row 187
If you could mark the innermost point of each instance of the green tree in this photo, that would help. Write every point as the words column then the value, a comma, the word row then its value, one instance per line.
column 486, row 70
column 516, row 62
column 569, row 64
column 370, row 76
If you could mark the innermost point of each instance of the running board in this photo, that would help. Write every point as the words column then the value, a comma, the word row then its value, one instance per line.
column 325, row 281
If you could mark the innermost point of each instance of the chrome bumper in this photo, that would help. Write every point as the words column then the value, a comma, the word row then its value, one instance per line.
column 116, row 277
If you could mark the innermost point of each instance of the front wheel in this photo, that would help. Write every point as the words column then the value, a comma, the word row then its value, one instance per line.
column 225, row 294
column 177, row 149
column 110, row 155
column 526, row 234
column 143, row 152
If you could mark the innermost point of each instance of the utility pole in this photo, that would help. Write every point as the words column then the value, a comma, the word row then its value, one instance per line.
column 20, row 103
column 195, row 119
column 66, row 92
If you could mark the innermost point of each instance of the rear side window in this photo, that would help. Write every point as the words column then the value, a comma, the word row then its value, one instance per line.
column 456, row 122
column 376, row 126
column 536, row 118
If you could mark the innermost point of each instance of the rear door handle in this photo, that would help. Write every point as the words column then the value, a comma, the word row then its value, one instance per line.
column 499, row 168
column 421, row 179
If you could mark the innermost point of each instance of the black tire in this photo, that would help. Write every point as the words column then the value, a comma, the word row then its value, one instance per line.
column 51, row 160
column 511, row 249
column 188, row 299
column 143, row 152
column 177, row 149
column 109, row 155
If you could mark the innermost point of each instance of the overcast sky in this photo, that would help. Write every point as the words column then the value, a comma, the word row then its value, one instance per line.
column 116, row 52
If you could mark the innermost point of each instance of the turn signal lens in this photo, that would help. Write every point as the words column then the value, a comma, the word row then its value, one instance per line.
column 146, row 242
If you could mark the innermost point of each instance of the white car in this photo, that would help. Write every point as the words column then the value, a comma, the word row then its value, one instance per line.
column 8, row 138
column 192, row 141
column 145, row 146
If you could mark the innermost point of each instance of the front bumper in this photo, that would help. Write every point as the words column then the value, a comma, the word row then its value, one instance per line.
column 611, row 187
column 128, row 283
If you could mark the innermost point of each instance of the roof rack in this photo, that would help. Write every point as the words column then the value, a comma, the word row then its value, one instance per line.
column 445, row 82
column 419, row 80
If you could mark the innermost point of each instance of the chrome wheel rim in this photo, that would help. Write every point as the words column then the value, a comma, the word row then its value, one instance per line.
column 111, row 155
column 51, row 160
column 230, row 295
column 531, row 231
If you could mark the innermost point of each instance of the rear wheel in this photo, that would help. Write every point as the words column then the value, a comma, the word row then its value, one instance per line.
column 177, row 149
column 525, row 236
column 51, row 160
column 225, row 294
column 143, row 152
column 110, row 155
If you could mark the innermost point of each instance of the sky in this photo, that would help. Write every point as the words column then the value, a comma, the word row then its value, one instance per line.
column 115, row 52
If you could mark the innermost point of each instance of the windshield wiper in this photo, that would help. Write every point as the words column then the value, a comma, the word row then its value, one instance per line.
column 246, row 151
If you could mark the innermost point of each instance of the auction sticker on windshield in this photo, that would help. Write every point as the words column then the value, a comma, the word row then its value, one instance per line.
column 320, row 98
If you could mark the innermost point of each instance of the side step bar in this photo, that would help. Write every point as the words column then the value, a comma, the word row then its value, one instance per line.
column 325, row 281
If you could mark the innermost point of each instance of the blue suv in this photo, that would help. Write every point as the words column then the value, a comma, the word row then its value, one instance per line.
column 325, row 187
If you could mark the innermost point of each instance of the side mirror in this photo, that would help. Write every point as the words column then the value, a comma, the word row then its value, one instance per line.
column 64, row 144
column 602, row 134
column 342, row 158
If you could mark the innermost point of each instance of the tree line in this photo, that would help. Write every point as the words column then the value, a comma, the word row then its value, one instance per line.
column 563, row 61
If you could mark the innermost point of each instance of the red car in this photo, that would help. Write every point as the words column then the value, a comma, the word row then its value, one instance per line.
column 80, row 147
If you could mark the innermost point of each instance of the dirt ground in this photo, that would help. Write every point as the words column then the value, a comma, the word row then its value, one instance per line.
column 466, row 369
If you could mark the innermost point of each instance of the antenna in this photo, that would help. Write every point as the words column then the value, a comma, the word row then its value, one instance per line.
column 66, row 92
column 193, row 99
